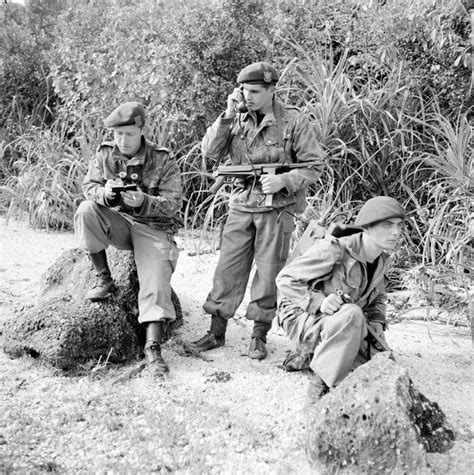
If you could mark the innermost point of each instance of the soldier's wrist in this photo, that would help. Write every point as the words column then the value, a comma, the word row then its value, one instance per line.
column 229, row 114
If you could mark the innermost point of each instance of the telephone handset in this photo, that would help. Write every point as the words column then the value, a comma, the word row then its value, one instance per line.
column 241, row 106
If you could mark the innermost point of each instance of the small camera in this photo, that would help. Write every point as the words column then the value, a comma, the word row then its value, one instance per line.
column 119, row 189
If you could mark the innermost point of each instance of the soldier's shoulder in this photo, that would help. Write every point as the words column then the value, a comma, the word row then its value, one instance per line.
column 333, row 242
column 158, row 148
column 296, row 115
column 324, row 243
column 337, row 245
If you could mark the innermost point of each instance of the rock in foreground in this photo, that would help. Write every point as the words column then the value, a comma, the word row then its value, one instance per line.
column 66, row 330
column 376, row 422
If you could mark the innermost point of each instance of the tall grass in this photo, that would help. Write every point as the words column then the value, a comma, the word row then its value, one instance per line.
column 388, row 140
column 442, row 184
column 47, row 184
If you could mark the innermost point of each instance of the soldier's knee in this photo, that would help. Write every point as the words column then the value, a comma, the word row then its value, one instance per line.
column 352, row 313
column 353, row 309
column 88, row 207
column 84, row 211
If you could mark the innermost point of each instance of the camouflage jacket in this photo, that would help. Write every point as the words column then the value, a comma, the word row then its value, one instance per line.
column 285, row 135
column 329, row 264
column 157, row 175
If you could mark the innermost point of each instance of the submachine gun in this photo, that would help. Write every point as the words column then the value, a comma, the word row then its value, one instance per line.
column 256, row 170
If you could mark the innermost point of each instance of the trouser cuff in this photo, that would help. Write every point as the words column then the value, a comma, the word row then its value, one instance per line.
column 218, row 325
column 260, row 329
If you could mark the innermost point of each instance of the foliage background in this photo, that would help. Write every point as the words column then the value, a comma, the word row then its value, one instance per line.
column 388, row 84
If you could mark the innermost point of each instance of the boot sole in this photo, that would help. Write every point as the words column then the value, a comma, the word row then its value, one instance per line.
column 198, row 348
column 105, row 297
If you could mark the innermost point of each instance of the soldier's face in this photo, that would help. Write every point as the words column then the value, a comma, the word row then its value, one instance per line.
column 128, row 139
column 385, row 234
column 258, row 97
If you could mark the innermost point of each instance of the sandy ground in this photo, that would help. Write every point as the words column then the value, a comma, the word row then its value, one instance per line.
column 235, row 415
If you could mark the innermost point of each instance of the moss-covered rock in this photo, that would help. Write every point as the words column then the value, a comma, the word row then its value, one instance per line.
column 66, row 330
column 376, row 422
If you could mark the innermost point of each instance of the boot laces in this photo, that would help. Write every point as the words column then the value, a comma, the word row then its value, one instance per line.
column 208, row 336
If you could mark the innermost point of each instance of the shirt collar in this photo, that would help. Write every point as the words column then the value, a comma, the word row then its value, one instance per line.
column 354, row 247
column 137, row 159
column 269, row 118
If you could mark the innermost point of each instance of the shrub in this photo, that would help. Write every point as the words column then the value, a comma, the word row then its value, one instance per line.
column 386, row 83
column 47, row 183
column 26, row 95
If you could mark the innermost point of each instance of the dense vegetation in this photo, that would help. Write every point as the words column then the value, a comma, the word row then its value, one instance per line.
column 386, row 82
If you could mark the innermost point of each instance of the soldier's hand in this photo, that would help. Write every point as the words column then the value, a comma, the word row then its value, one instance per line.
column 108, row 193
column 232, row 100
column 332, row 303
column 271, row 184
column 133, row 199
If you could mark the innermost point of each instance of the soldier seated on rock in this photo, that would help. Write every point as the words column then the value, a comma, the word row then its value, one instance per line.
column 333, row 295
column 133, row 200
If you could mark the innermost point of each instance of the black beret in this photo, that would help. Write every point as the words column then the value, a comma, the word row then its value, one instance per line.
column 379, row 208
column 258, row 73
column 128, row 113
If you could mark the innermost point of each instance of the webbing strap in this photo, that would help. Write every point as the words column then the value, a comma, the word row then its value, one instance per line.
column 279, row 126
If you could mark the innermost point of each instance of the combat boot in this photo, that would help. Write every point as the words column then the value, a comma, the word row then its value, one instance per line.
column 208, row 342
column 257, row 348
column 214, row 338
column 297, row 361
column 104, row 286
column 152, row 351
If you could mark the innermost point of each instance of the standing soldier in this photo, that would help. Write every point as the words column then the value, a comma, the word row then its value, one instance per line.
column 267, row 132
column 143, row 217
column 333, row 295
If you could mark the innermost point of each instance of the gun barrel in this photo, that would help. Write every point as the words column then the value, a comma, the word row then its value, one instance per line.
column 259, row 168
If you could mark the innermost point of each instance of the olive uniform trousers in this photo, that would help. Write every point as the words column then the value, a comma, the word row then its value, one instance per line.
column 263, row 237
column 155, row 253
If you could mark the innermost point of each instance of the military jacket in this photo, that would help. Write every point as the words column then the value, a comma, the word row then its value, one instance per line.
column 284, row 136
column 329, row 264
column 154, row 171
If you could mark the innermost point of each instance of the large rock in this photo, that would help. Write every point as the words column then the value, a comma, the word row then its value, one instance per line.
column 376, row 422
column 66, row 330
